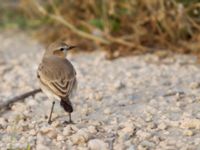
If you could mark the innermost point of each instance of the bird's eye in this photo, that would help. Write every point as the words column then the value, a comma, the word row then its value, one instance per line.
column 62, row 49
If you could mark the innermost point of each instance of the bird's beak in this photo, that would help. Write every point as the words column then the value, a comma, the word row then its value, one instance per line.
column 71, row 47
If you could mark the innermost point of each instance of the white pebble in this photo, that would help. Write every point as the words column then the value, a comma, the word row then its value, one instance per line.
column 96, row 144
column 3, row 122
column 162, row 126
column 67, row 131
column 42, row 147
column 80, row 137
column 107, row 111
column 188, row 133
column 32, row 132
column 92, row 129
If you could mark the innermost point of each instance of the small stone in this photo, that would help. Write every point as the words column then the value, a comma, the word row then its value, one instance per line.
column 188, row 133
column 97, row 144
column 132, row 147
column 140, row 147
column 151, row 125
column 156, row 139
column 40, row 138
column 9, row 129
column 148, row 118
column 128, row 129
column 22, row 139
column 3, row 122
column 166, row 132
column 162, row 126
column 107, row 111
column 19, row 107
column 143, row 135
column 126, row 132
column 49, row 131
column 153, row 102
column 92, row 129
column 52, row 134
column 196, row 141
column 174, row 123
column 45, row 130
column 77, row 139
column 31, row 102
column 67, row 131
column 80, row 137
column 114, row 120
column 32, row 132
column 147, row 144
column 98, row 97
column 60, row 138
column 85, row 110
column 190, row 123
column 55, row 123
column 42, row 147
column 194, row 85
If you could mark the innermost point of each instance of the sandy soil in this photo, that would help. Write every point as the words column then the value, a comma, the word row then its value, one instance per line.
column 132, row 103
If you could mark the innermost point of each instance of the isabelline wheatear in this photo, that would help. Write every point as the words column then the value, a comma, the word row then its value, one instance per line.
column 57, row 76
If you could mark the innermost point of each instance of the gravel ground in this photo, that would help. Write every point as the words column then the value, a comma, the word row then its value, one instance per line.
column 132, row 103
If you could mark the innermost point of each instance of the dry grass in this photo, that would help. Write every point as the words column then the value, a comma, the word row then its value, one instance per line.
column 121, row 27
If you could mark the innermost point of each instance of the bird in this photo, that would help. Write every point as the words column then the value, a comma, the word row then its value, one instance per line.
column 57, row 77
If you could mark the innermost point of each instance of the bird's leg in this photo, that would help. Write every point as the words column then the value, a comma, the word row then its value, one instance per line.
column 70, row 118
column 66, row 104
column 49, row 121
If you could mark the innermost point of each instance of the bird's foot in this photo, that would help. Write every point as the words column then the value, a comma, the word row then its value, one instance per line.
column 49, row 121
column 68, row 122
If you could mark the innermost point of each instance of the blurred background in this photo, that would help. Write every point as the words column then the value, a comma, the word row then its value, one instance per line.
column 143, row 102
column 120, row 27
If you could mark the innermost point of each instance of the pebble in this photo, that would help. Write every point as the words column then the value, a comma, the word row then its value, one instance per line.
column 19, row 107
column 149, row 118
column 92, row 129
column 97, row 144
column 52, row 134
column 32, row 132
column 98, row 97
column 42, row 147
column 118, row 85
column 126, row 133
column 31, row 102
column 3, row 122
column 107, row 111
column 80, row 137
column 190, row 123
column 132, row 147
column 55, row 123
column 162, row 126
column 60, row 138
column 194, row 85
column 188, row 133
column 143, row 135
column 67, row 131
column 46, row 130
column 147, row 144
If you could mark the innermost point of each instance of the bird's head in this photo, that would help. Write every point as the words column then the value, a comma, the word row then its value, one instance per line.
column 59, row 49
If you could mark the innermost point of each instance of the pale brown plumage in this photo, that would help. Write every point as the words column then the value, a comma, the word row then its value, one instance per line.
column 57, row 76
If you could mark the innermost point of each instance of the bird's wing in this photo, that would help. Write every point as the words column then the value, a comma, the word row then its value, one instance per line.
column 58, row 75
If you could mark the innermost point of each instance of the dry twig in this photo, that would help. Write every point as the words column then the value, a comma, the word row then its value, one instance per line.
column 6, row 105
column 104, row 40
column 63, row 21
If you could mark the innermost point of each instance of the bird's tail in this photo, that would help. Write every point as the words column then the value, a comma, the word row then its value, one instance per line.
column 66, row 104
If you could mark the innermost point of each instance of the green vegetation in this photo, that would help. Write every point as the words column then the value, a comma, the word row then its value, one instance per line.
column 124, row 26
